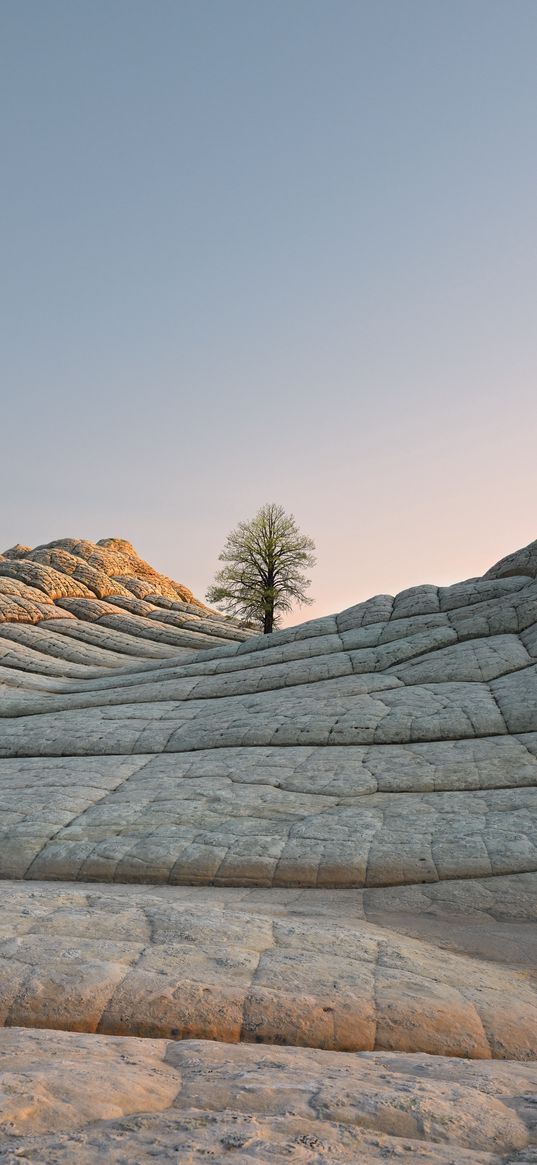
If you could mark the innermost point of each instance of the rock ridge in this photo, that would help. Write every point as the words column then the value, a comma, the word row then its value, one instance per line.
column 265, row 898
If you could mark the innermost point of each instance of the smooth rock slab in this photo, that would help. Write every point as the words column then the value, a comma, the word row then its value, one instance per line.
column 307, row 970
column 67, row 1097
column 272, row 816
column 395, row 743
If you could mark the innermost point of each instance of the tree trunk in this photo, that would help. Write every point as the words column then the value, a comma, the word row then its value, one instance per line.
column 268, row 621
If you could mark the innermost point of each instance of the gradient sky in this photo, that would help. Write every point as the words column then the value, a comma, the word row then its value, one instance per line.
column 271, row 250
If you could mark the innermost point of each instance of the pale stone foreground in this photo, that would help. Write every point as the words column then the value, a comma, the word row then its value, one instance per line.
column 434, row 969
column 325, row 839
column 129, row 1102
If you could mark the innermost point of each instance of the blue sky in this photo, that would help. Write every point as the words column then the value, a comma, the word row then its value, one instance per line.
column 271, row 251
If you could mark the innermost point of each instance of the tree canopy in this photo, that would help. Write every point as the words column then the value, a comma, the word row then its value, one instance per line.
column 264, row 572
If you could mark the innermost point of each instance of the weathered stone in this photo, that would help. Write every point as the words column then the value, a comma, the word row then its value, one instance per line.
column 68, row 1097
column 325, row 839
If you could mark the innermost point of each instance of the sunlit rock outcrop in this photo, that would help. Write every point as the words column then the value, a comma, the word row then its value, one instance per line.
column 324, row 839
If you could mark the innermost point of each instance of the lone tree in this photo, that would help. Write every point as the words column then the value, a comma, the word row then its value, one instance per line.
column 264, row 573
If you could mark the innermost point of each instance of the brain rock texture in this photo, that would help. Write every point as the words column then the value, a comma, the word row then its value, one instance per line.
column 265, row 898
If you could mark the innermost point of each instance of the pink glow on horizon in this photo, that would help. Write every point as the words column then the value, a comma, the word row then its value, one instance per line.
column 280, row 252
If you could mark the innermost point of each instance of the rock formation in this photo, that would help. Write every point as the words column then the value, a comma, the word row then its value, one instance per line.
column 303, row 867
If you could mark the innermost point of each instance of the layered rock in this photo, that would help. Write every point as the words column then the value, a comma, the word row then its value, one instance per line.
column 89, row 1099
column 325, row 838
column 131, row 608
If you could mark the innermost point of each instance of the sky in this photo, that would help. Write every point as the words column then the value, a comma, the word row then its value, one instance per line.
column 278, row 251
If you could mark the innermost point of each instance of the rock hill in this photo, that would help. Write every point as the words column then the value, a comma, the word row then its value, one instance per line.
column 302, row 867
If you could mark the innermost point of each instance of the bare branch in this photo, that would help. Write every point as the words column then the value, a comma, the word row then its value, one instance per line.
column 264, row 572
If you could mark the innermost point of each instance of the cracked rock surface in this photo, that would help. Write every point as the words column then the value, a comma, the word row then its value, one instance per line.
column 129, row 1100
column 302, row 867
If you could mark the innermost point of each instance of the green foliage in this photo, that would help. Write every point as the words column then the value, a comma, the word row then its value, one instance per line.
column 264, row 573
